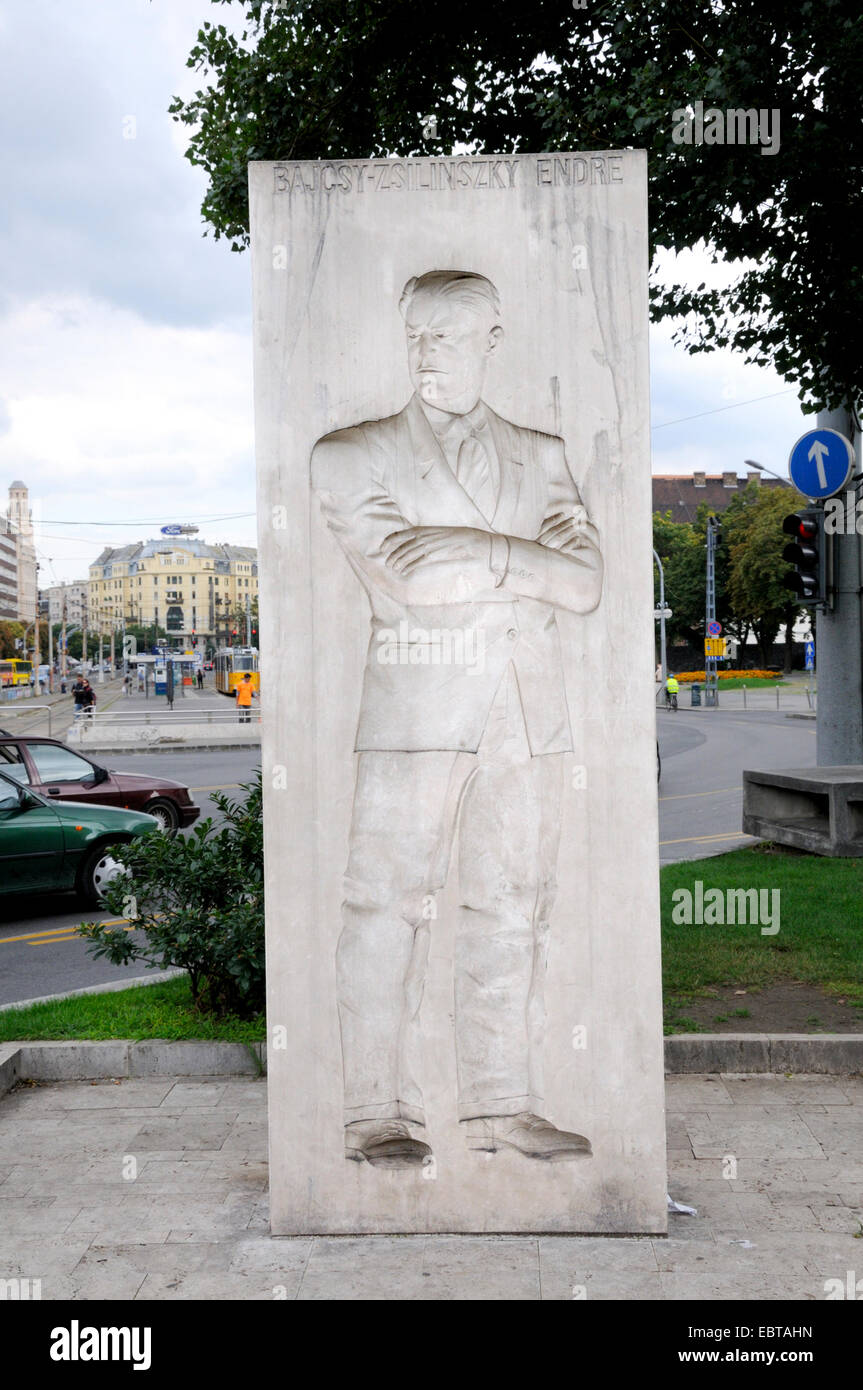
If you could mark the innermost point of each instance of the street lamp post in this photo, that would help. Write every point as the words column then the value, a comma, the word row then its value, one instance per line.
column 662, row 652
column 711, row 665
column 762, row 468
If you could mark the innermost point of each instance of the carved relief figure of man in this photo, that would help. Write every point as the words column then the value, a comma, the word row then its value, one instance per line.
column 455, row 521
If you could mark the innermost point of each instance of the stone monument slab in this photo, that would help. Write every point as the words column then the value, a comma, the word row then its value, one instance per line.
column 451, row 401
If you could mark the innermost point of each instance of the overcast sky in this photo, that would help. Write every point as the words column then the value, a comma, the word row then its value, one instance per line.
column 125, row 345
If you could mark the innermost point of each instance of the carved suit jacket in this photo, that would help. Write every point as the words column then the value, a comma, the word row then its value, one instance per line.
column 444, row 636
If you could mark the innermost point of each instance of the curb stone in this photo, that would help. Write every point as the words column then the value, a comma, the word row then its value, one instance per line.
column 835, row 1054
column 91, row 1061
column 157, row 977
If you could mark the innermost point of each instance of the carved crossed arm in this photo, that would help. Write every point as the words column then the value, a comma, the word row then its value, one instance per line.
column 443, row 564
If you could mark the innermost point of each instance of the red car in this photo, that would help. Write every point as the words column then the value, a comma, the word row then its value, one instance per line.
column 58, row 772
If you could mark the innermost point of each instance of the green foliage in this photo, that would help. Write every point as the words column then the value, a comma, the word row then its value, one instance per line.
column 319, row 79
column 681, row 550
column 752, row 531
column 199, row 899
column 75, row 641
column 750, row 595
column 9, row 631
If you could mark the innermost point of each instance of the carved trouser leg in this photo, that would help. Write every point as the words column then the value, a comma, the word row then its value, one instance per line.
column 509, row 830
column 404, row 810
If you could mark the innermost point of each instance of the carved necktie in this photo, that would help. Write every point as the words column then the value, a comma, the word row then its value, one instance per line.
column 474, row 473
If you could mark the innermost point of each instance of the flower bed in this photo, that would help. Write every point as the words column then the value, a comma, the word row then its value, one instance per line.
column 684, row 677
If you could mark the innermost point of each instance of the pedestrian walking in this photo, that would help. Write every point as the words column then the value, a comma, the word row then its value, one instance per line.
column 127, row 685
column 244, row 698
column 200, row 678
column 88, row 700
column 78, row 697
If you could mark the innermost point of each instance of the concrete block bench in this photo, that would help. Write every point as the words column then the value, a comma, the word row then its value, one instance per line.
column 819, row 809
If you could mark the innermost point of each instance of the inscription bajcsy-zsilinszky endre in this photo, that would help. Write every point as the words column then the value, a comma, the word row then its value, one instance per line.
column 440, row 174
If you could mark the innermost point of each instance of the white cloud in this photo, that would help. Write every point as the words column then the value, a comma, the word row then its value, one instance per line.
column 112, row 417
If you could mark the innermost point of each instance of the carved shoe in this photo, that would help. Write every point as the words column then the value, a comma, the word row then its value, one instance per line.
column 529, row 1134
column 385, row 1144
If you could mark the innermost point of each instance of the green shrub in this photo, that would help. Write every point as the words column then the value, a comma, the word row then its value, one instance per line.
column 199, row 900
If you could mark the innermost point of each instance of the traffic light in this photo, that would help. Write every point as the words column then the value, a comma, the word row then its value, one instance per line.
column 806, row 554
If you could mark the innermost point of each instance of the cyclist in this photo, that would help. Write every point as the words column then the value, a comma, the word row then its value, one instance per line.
column 671, row 689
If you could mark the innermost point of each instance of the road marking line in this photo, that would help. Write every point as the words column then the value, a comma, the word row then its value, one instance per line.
column 680, row 796
column 34, row 935
column 73, row 936
column 224, row 787
column 59, row 931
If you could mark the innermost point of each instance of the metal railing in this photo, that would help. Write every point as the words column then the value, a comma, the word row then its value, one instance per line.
column 128, row 718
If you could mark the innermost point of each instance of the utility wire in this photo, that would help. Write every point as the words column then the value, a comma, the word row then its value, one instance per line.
column 147, row 521
column 736, row 406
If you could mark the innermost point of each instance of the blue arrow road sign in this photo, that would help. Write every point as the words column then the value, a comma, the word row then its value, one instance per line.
column 810, row 656
column 821, row 463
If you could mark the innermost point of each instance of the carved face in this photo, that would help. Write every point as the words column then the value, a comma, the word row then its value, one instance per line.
column 449, row 344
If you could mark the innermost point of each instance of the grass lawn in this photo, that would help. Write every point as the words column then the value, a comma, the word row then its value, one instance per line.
column 820, row 937
column 738, row 682
column 145, row 1011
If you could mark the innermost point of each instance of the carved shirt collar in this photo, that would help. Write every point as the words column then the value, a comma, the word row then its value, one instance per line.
column 445, row 424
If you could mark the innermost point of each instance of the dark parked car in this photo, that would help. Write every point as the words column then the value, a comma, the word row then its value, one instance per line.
column 50, row 847
column 61, row 774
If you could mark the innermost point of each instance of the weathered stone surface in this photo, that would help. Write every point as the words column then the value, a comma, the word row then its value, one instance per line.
column 454, row 479
column 784, row 1227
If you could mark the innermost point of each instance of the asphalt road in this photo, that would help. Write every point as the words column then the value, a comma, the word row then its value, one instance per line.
column 703, row 753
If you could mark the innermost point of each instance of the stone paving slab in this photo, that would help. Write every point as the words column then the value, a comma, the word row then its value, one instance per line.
column 774, row 1165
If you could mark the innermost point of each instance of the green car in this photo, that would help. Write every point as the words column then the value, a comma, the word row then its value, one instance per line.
column 48, row 846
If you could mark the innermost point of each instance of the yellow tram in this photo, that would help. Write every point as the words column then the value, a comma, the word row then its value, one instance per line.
column 231, row 665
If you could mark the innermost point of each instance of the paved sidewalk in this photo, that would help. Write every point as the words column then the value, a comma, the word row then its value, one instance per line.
column 193, row 1223
column 789, row 699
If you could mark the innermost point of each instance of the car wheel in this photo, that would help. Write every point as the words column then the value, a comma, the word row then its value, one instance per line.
column 166, row 814
column 98, row 870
